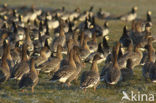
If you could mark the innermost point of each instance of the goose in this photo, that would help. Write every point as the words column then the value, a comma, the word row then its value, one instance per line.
column 93, row 44
column 136, row 33
column 16, row 53
column 44, row 55
column 31, row 15
column 130, row 16
column 127, row 72
column 70, row 32
column 60, row 40
column 150, row 60
column 100, row 52
column 65, row 61
column 65, row 72
column 31, row 78
column 113, row 74
column 29, row 41
column 52, row 24
column 102, row 14
column 135, row 56
column 4, row 68
column 125, row 39
column 23, row 67
column 2, row 39
column 148, row 17
column 52, row 65
column 86, row 26
column 85, row 51
column 145, row 54
column 105, row 29
column 91, row 78
column 94, row 27
column 79, row 66
column 75, row 39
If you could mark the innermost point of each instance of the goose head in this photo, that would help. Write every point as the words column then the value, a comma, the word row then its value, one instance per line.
column 148, row 17
column 134, row 9
column 96, row 58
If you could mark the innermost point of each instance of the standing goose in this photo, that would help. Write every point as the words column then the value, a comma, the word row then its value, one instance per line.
column 102, row 52
column 44, row 55
column 31, row 78
column 60, row 40
column 105, row 29
column 91, row 78
column 29, row 41
column 78, row 63
column 4, row 68
column 125, row 38
column 148, row 17
column 66, row 71
column 23, row 67
column 85, row 51
column 113, row 75
column 65, row 61
column 93, row 46
column 53, row 64
column 16, row 53
column 150, row 61
column 135, row 56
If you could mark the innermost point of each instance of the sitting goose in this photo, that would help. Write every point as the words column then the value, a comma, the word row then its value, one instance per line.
column 4, row 68
column 127, row 72
column 31, row 78
column 113, row 74
column 65, row 72
column 91, row 78
column 53, row 64
column 102, row 14
column 130, row 16
column 23, row 67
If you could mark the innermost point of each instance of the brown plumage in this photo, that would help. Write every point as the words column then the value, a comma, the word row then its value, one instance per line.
column 91, row 78
column 4, row 68
column 23, row 67
column 30, row 79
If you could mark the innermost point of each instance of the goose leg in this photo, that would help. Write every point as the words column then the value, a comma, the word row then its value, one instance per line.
column 32, row 89
column 95, row 89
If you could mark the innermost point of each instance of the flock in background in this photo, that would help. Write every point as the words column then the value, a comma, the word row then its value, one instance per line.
column 61, row 43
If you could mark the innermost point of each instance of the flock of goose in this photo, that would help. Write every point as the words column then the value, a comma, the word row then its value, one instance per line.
column 60, row 43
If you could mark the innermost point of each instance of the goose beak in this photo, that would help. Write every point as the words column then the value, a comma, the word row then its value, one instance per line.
column 123, row 49
column 149, row 12
column 135, row 8
column 142, row 49
column 91, row 27
column 107, row 37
